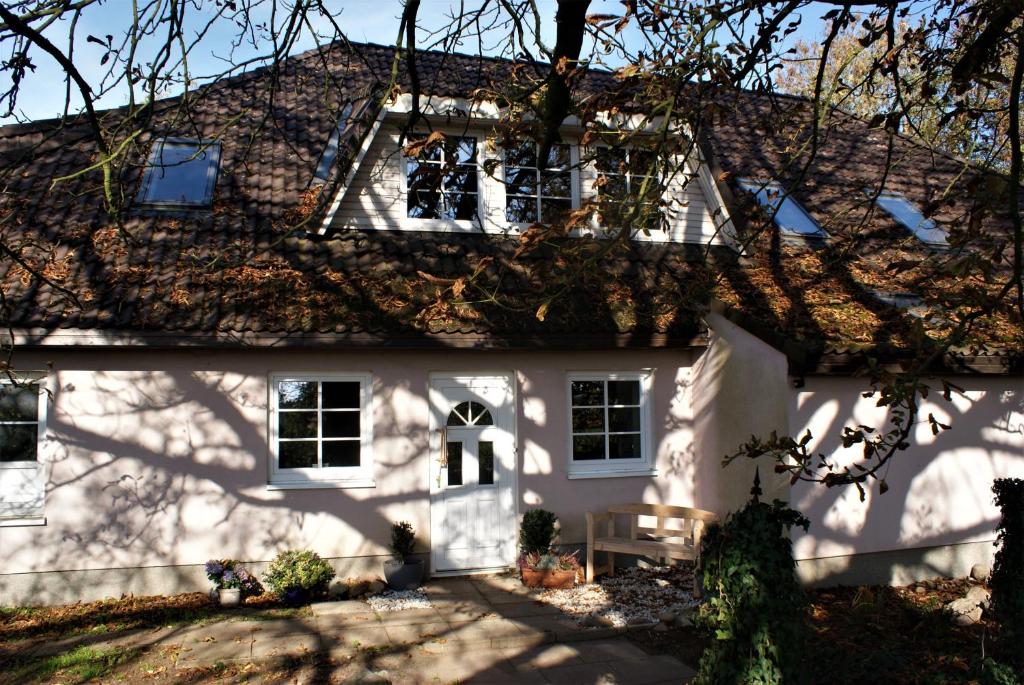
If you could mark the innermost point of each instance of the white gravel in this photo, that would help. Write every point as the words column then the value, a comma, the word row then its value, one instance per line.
column 390, row 600
column 635, row 596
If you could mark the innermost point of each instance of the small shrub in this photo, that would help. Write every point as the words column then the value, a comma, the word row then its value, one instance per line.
column 298, row 575
column 403, row 540
column 549, row 562
column 537, row 532
column 229, row 573
column 1007, row 580
column 755, row 608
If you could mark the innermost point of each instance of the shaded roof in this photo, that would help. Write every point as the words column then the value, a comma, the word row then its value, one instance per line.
column 241, row 268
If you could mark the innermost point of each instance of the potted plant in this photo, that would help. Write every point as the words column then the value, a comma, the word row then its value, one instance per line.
column 553, row 571
column 298, row 576
column 403, row 571
column 231, row 582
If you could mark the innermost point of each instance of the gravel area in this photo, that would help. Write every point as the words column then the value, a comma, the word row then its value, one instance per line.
column 635, row 596
column 390, row 600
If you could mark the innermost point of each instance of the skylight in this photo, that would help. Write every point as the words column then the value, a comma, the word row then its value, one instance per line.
column 180, row 174
column 323, row 169
column 904, row 211
column 790, row 217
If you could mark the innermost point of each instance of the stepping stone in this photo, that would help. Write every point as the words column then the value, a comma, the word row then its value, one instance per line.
column 409, row 617
column 597, row 651
column 417, row 632
column 350, row 606
column 651, row 669
column 544, row 656
column 269, row 646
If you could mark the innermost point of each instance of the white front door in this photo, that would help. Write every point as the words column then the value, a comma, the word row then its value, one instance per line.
column 472, row 473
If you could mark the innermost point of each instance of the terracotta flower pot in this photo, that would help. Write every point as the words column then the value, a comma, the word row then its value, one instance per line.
column 553, row 580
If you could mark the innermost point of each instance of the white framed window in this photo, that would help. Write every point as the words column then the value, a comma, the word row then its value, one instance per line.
column 540, row 191
column 609, row 424
column 622, row 173
column 321, row 430
column 442, row 182
column 906, row 213
column 181, row 174
column 22, row 432
column 790, row 216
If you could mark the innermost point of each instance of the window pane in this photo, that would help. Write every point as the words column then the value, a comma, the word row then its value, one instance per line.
column 459, row 414
column 340, row 453
column 587, row 447
column 296, row 395
column 623, row 392
column 483, row 419
column 523, row 154
column 341, row 395
column 296, row 424
column 422, row 176
column 626, row 419
column 19, row 403
column 793, row 219
column 425, row 204
column 460, row 206
column 486, row 459
column 18, row 443
column 520, row 181
column 181, row 173
column 296, row 455
column 587, row 393
column 587, row 420
column 907, row 214
column 643, row 163
column 454, row 463
column 340, row 424
column 553, row 210
column 462, row 180
column 556, row 184
column 614, row 188
column 461, row 150
column 521, row 210
column 558, row 157
column 611, row 160
column 624, row 446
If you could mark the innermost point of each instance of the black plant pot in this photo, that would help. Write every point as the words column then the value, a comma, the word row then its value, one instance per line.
column 403, row 575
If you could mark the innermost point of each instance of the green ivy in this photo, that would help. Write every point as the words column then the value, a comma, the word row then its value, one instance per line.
column 537, row 532
column 755, row 608
column 1007, row 581
column 295, row 571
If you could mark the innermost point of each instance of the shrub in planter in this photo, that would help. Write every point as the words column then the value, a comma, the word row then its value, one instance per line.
column 556, row 571
column 1007, row 580
column 297, row 576
column 403, row 571
column 229, row 574
column 537, row 532
column 755, row 608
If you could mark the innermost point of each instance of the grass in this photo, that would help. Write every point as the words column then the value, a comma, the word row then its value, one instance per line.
column 77, row 666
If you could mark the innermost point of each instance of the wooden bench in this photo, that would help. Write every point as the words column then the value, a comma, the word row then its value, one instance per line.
column 662, row 542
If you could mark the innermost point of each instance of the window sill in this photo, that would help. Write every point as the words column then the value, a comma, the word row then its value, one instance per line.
column 616, row 473
column 26, row 521
column 324, row 485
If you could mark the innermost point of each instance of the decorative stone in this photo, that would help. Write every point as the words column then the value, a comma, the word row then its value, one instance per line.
column 666, row 616
column 965, row 611
column 920, row 590
column 980, row 572
column 979, row 596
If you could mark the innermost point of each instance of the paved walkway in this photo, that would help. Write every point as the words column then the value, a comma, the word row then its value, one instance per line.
column 483, row 630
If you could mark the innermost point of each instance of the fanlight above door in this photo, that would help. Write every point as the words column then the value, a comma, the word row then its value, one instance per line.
column 470, row 414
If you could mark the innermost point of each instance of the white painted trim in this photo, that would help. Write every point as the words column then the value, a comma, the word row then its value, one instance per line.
column 716, row 203
column 488, row 571
column 361, row 476
column 617, row 467
column 24, row 512
column 19, row 522
column 351, row 173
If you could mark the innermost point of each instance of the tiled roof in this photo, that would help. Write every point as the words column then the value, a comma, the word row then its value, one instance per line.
column 239, row 269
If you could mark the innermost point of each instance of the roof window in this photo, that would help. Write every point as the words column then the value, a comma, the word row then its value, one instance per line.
column 181, row 174
column 323, row 169
column 790, row 217
column 905, row 212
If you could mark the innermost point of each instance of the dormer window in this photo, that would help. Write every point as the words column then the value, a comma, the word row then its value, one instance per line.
column 538, row 193
column 181, row 174
column 623, row 173
column 791, row 218
column 441, row 181
column 904, row 211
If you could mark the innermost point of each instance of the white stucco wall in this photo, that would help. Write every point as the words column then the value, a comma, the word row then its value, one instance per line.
column 939, row 489
column 160, row 458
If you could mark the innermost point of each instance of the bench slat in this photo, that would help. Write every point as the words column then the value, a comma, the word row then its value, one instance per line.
column 645, row 547
column 663, row 510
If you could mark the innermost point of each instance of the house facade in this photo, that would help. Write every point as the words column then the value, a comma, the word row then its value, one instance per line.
column 226, row 385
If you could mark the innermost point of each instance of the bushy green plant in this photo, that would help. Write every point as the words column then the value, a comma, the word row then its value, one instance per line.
column 229, row 573
column 297, row 574
column 537, row 532
column 1007, row 580
column 403, row 540
column 549, row 562
column 755, row 608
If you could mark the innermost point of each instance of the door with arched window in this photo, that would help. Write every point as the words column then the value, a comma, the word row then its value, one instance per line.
column 472, row 473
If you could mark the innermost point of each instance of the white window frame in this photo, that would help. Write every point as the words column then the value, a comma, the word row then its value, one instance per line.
column 448, row 225
column 922, row 228
column 660, row 233
column 613, row 468
column 331, row 477
column 10, row 515
column 755, row 187
column 574, row 182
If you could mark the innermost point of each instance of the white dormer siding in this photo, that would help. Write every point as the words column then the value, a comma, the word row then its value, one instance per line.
column 376, row 197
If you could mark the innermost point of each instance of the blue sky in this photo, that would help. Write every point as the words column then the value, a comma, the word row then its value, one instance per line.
column 363, row 20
